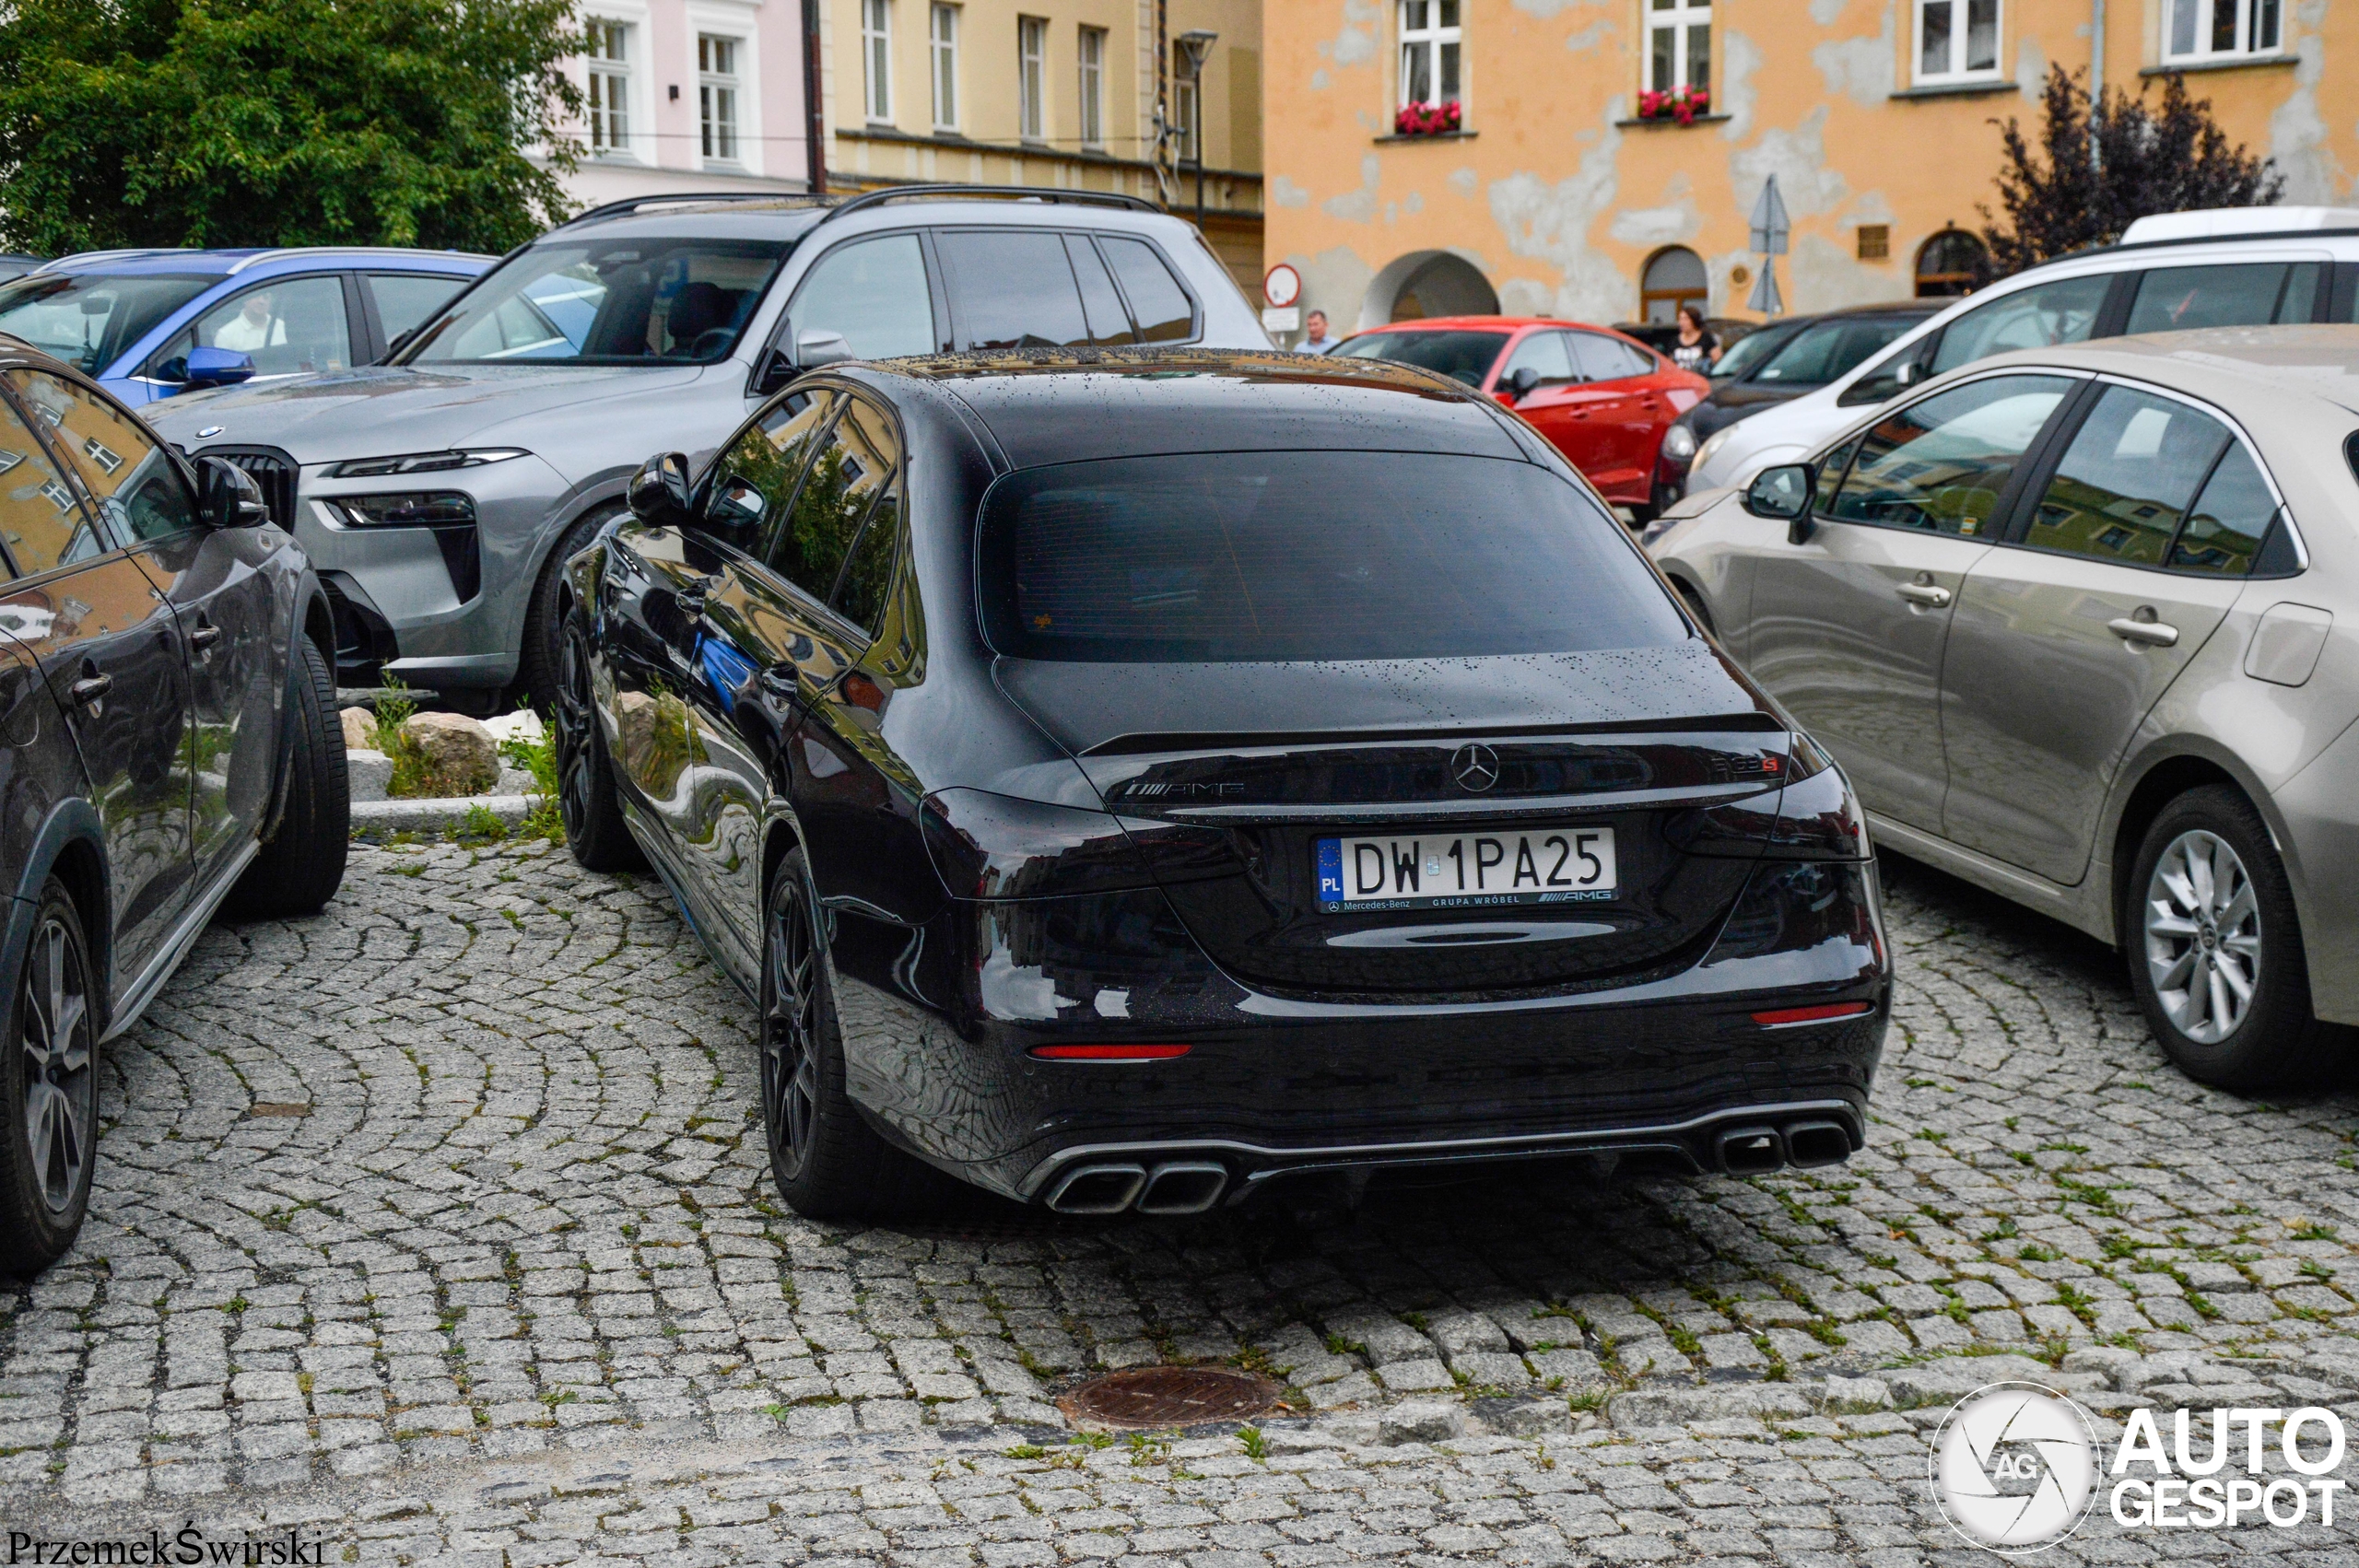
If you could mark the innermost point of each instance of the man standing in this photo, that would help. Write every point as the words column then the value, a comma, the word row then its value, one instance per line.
column 1317, row 342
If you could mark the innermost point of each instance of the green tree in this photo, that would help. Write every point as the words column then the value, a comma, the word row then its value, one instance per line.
column 2102, row 165
column 218, row 122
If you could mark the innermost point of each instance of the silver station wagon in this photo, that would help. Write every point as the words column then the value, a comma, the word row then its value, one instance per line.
column 2079, row 624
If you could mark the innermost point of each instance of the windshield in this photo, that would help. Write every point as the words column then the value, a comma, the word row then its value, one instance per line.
column 610, row 302
column 89, row 319
column 1233, row 556
column 1824, row 351
column 1462, row 356
column 1751, row 350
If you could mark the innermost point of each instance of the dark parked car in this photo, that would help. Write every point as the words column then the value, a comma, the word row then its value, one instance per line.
column 1122, row 778
column 171, row 748
column 1775, row 364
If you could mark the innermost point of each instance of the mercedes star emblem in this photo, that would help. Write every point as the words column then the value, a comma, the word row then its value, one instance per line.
column 1476, row 768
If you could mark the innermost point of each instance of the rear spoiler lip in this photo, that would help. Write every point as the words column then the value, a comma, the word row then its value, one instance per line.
column 1143, row 743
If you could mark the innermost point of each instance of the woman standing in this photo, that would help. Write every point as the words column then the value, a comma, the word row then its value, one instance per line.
column 1697, row 349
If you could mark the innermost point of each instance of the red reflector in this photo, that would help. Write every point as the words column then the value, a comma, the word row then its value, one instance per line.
column 1108, row 1053
column 1813, row 1014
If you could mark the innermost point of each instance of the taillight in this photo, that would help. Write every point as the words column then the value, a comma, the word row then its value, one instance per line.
column 988, row 845
column 1818, row 817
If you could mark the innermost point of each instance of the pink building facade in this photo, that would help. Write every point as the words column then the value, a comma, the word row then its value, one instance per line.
column 692, row 95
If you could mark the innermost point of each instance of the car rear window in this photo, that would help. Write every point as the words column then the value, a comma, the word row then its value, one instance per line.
column 1307, row 556
column 1464, row 356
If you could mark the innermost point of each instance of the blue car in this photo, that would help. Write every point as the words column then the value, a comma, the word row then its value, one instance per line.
column 147, row 325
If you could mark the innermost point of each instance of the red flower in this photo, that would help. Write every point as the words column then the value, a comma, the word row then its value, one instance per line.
column 1425, row 119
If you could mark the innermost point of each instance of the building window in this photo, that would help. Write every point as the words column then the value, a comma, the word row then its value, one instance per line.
column 1093, row 86
column 2217, row 30
column 1956, row 39
column 717, row 97
column 1951, row 262
column 943, row 44
column 1031, row 78
column 1679, row 45
column 609, row 89
column 1429, row 46
column 1187, row 108
column 877, row 56
column 1672, row 277
column 1875, row 241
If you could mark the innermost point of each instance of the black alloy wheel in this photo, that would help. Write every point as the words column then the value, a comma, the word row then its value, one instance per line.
column 538, row 662
column 51, row 1095
column 594, row 829
column 828, row 1161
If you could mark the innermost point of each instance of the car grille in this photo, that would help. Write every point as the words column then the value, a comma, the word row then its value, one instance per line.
column 271, row 469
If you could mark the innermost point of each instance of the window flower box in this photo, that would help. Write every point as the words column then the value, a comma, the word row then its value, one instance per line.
column 1683, row 105
column 1427, row 120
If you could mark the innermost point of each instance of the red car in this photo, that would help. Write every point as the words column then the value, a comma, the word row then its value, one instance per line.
column 1604, row 399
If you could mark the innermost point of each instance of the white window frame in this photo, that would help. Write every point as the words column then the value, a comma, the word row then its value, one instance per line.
column 1187, row 109
column 876, row 60
column 2252, row 17
column 1958, row 71
column 1677, row 18
column 611, row 100
column 1422, row 32
column 735, row 20
column 1032, row 78
column 721, row 93
column 942, row 28
column 1092, row 66
column 639, row 142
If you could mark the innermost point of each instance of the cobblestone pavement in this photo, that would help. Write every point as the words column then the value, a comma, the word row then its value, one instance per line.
column 440, row 1224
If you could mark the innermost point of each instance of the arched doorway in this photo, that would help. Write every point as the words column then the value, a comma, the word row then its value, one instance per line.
column 1951, row 262
column 1427, row 282
column 1673, row 276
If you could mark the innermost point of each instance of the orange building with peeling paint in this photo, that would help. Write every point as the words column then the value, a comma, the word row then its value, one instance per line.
column 1556, row 194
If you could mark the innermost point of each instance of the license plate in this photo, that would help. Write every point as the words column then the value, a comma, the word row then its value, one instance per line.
column 1464, row 871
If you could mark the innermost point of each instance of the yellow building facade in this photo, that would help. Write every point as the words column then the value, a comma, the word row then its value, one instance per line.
column 1570, row 187
column 1097, row 95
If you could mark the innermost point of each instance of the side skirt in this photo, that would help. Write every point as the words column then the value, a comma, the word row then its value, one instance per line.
column 167, row 958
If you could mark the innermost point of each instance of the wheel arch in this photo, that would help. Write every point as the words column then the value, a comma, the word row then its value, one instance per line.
column 71, row 843
column 2160, row 782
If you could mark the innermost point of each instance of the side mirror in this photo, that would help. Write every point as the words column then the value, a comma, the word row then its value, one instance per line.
column 820, row 347
column 1782, row 493
column 227, row 496
column 659, row 492
column 216, row 367
column 1521, row 380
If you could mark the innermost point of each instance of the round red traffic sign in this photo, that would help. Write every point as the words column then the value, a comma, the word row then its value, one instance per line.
column 1282, row 285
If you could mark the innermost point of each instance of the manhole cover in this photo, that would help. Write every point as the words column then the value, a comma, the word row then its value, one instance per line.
column 1158, row 1398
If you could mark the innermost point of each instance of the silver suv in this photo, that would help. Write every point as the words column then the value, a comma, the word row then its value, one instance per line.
column 436, row 492
column 2079, row 622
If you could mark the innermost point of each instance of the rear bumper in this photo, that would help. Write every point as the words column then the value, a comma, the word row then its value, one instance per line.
column 1271, row 1087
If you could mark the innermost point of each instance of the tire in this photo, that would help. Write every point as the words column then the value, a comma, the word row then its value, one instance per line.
column 49, row 1093
column 1694, row 603
column 536, row 662
column 594, row 829
column 2208, row 903
column 302, row 863
column 829, row 1163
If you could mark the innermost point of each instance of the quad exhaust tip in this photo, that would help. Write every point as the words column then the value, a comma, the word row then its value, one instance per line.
column 1811, row 1146
column 1750, row 1151
column 1181, row 1187
column 1806, row 1145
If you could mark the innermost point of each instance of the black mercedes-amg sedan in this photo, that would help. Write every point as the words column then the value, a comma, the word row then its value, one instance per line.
column 1124, row 778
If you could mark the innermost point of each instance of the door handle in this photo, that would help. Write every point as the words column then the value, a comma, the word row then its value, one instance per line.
column 1931, row 596
column 204, row 636
column 90, row 692
column 2153, row 634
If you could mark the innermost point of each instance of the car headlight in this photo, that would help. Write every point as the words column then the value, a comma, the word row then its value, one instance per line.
column 1712, row 444
column 1679, row 443
column 428, row 508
